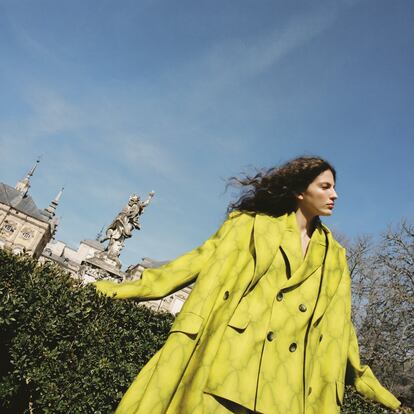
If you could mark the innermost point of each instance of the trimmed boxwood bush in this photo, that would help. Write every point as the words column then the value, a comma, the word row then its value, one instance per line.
column 65, row 349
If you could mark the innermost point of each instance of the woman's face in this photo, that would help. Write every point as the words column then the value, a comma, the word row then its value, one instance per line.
column 319, row 198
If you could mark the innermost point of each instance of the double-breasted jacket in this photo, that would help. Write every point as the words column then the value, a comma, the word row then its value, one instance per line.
column 263, row 326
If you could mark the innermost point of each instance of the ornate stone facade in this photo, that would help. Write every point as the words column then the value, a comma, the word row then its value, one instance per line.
column 69, row 258
column 26, row 229
column 22, row 233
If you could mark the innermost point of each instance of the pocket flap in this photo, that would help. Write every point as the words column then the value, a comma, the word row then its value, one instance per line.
column 239, row 320
column 340, row 390
column 187, row 322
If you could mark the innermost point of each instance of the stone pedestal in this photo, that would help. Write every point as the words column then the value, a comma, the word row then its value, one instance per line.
column 101, row 268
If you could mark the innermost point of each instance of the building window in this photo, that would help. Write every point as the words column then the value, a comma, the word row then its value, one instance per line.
column 8, row 228
column 26, row 235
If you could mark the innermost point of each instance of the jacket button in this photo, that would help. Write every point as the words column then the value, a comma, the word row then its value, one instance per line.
column 302, row 307
column 310, row 390
column 320, row 337
column 270, row 336
column 279, row 296
column 292, row 347
column 226, row 295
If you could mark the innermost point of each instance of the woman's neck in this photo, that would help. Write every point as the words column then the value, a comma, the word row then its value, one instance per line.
column 306, row 224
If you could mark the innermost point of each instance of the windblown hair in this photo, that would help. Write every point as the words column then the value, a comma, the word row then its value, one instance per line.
column 273, row 191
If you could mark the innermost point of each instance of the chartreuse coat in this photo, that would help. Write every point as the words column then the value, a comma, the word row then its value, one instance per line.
column 263, row 327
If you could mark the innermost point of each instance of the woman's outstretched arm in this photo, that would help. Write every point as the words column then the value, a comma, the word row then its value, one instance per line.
column 159, row 282
column 364, row 379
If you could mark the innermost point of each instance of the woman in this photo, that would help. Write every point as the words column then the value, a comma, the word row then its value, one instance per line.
column 267, row 327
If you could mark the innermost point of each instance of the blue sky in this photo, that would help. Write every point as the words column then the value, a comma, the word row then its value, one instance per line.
column 176, row 96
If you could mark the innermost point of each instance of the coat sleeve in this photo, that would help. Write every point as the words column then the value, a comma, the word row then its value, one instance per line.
column 364, row 379
column 159, row 282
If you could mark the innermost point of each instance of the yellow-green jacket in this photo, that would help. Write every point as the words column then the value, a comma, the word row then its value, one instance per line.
column 227, row 269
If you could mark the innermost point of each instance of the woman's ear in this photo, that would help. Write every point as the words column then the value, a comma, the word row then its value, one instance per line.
column 298, row 196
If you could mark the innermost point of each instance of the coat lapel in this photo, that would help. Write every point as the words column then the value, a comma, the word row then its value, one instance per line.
column 291, row 245
column 332, row 274
column 267, row 234
column 313, row 260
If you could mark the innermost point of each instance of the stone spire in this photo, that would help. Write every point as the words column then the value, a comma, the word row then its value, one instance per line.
column 51, row 210
column 24, row 185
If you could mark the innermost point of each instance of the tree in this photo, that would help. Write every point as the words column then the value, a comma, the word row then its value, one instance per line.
column 383, row 303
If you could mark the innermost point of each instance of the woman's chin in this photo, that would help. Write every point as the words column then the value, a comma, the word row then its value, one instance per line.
column 326, row 212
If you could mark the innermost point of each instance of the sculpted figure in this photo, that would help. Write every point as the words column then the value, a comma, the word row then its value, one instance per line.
column 115, row 247
column 124, row 223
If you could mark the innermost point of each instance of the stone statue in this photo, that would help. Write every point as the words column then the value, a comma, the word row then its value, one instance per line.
column 124, row 223
column 115, row 247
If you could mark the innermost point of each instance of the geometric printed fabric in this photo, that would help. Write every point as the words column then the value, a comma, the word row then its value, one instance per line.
column 262, row 328
column 267, row 335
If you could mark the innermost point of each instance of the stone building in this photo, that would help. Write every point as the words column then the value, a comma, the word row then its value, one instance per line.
column 171, row 303
column 69, row 258
column 26, row 229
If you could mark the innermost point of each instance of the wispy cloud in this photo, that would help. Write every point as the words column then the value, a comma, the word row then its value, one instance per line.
column 29, row 42
column 141, row 145
column 52, row 113
column 237, row 59
column 141, row 154
column 197, row 88
column 234, row 61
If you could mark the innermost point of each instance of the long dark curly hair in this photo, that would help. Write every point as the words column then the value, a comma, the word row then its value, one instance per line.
column 273, row 191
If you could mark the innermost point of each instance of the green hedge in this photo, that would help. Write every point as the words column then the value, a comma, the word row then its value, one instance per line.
column 64, row 349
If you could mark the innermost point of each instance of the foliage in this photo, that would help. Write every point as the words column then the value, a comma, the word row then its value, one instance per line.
column 66, row 349
column 355, row 404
